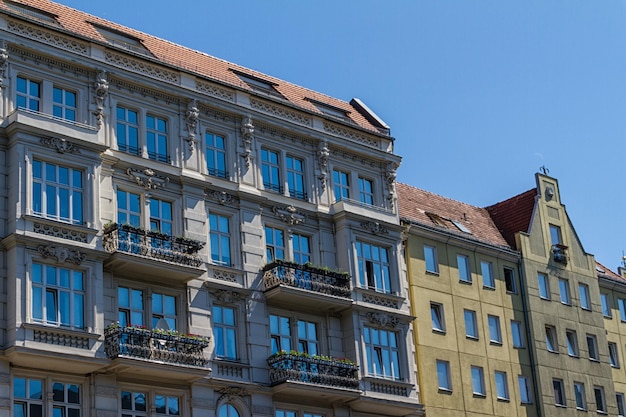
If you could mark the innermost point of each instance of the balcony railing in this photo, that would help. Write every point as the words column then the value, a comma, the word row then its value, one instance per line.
column 137, row 241
column 329, row 372
column 306, row 277
column 153, row 345
column 559, row 254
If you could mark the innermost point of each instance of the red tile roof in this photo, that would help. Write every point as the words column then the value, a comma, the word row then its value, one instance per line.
column 79, row 23
column 514, row 215
column 415, row 205
column 604, row 272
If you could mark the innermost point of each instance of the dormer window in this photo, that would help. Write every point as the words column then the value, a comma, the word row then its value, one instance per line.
column 122, row 40
column 436, row 219
column 32, row 13
column 258, row 84
column 328, row 109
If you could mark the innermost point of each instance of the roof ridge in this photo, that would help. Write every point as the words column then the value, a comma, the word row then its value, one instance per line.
column 442, row 196
column 511, row 198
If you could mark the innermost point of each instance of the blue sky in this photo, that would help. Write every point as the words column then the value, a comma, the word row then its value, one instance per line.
column 479, row 93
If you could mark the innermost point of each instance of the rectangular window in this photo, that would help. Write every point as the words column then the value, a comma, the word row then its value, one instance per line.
column 495, row 335
column 366, row 191
column 130, row 307
column 307, row 337
column 30, row 399
column 524, row 389
column 621, row 303
column 156, row 138
column 517, row 334
column 583, row 291
column 27, row 94
column 57, row 192
column 592, row 347
column 133, row 306
column 471, row 326
column 486, row 271
column 572, row 343
column 128, row 208
column 280, row 333
column 613, row 355
column 430, row 258
column 163, row 311
column 301, row 249
column 374, row 268
column 544, row 287
column 215, row 154
column 621, row 404
column 502, row 385
column 274, row 244
column 295, row 178
column 225, row 332
column 579, row 395
column 279, row 413
column 465, row 274
column 437, row 318
column 382, row 352
column 138, row 404
column 555, row 235
column 220, row 239
column 58, row 296
column 341, row 185
column 443, row 375
column 559, row 392
column 551, row 340
column 161, row 219
column 478, row 381
column 606, row 305
column 270, row 170
column 64, row 104
column 127, row 130
column 564, row 291
column 598, row 393
column 509, row 280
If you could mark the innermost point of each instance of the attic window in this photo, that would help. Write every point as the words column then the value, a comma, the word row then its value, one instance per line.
column 602, row 271
column 437, row 220
column 32, row 13
column 258, row 84
column 328, row 109
column 122, row 40
column 461, row 226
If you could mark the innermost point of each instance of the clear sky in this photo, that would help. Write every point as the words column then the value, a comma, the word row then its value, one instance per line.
column 479, row 93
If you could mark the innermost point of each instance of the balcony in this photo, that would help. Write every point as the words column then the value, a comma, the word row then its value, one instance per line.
column 559, row 254
column 293, row 285
column 156, row 353
column 135, row 250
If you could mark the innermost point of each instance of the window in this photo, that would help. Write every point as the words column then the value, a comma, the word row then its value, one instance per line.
column 544, row 287
column 295, row 178
column 471, row 326
column 280, row 332
column 58, row 296
column 220, row 239
column 215, row 148
column 478, row 381
column 132, row 308
column 156, row 138
column 613, row 355
column 341, row 185
column 509, row 280
column 555, row 235
column 564, row 291
column 285, row 413
column 502, row 385
column 621, row 303
column 57, row 192
column 443, row 375
column 30, row 398
column 598, row 393
column 128, row 208
column 301, row 249
column 606, row 305
column 28, row 94
column 228, row 410
column 366, row 191
column 621, row 406
column 127, row 130
column 307, row 337
column 64, row 104
column 225, row 332
column 551, row 341
column 436, row 315
column 559, row 392
column 381, row 347
column 373, row 264
column 161, row 216
column 430, row 258
column 524, row 389
column 572, row 343
column 270, row 170
column 485, row 269
column 517, row 334
column 579, row 395
column 592, row 347
column 583, row 291
column 136, row 404
column 495, row 336
column 274, row 244
column 462, row 262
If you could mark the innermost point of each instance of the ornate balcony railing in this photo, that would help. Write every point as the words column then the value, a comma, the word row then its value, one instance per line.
column 559, row 254
column 172, row 348
column 134, row 240
column 313, row 370
column 306, row 277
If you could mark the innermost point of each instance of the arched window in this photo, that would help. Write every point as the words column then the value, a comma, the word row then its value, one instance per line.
column 227, row 410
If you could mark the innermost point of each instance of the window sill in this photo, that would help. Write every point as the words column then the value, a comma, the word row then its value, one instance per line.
column 511, row 292
column 566, row 304
column 495, row 343
column 545, row 299
column 594, row 360
column 586, row 309
column 504, row 400
column 519, row 347
column 615, row 366
column 553, row 351
column 479, row 395
column 445, row 391
column 560, row 405
column 608, row 317
column 439, row 331
column 581, row 409
column 461, row 281
column 489, row 288
column 435, row 273
column 573, row 356
column 472, row 338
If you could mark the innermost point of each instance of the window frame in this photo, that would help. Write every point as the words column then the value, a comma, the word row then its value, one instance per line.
column 148, row 312
column 583, row 293
column 517, row 330
column 368, row 268
column 525, row 392
column 564, row 292
column 296, row 178
column 271, row 171
column 605, row 301
column 473, row 334
column 366, row 196
column 216, row 154
column 220, row 251
column 613, row 355
column 341, row 185
column 46, row 401
column 75, row 193
column 510, row 280
column 491, row 321
column 288, row 336
column 437, row 317
column 600, row 399
column 572, row 343
column 444, row 380
column 158, row 154
column 223, row 344
column 543, row 283
column 392, row 370
column 465, row 272
column 621, row 304
column 580, row 394
column 621, row 404
column 592, row 348
column 502, row 390
column 130, row 128
column 151, row 394
column 28, row 96
column 62, row 105
column 273, row 249
column 478, row 381
column 435, row 260
column 560, row 400
column 489, row 280
column 551, row 339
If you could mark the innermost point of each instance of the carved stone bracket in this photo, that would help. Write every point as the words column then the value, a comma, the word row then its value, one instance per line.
column 222, row 197
column 226, row 296
column 231, row 393
column 289, row 215
column 322, row 154
column 375, row 228
column 101, row 89
column 60, row 145
column 147, row 178
column 61, row 254
column 191, row 120
column 247, row 134
column 383, row 319
column 4, row 61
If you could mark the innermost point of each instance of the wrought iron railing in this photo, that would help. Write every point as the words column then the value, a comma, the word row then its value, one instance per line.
column 306, row 277
column 309, row 369
column 135, row 342
column 130, row 239
column 559, row 254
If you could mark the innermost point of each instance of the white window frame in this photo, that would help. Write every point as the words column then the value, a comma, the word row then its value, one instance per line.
column 392, row 370
column 551, row 339
column 524, row 389
column 517, row 334
column 543, row 281
column 580, row 395
column 463, row 266
column 502, row 385
column 592, row 347
column 367, row 266
column 572, row 343
column 160, row 155
column 559, row 391
column 49, row 402
column 72, row 190
column 63, row 106
column 432, row 251
column 217, row 153
column 222, row 329
column 478, row 381
column 494, row 327
column 564, row 292
column 613, row 355
column 585, row 297
column 471, row 326
column 621, row 404
column 220, row 240
column 444, row 381
column 148, row 311
column 606, row 305
column 486, row 270
column 437, row 317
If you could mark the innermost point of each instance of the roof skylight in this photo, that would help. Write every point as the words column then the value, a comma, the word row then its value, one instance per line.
column 122, row 40
column 258, row 84
column 32, row 13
